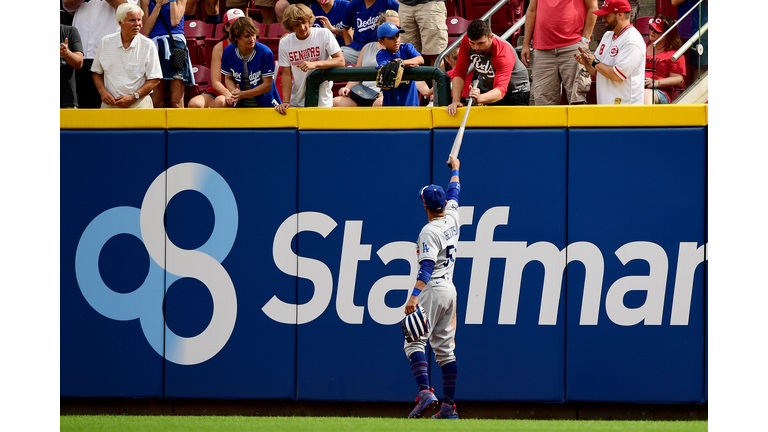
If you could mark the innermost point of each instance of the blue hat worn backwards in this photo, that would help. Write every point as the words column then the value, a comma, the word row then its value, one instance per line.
column 433, row 197
column 388, row 30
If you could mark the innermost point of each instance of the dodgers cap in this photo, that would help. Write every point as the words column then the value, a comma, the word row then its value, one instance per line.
column 433, row 197
column 611, row 6
column 388, row 30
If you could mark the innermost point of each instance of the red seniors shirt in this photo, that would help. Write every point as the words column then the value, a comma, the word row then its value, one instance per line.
column 559, row 23
column 493, row 69
column 664, row 66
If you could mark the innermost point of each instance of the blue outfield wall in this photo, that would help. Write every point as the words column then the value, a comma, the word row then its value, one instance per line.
column 280, row 264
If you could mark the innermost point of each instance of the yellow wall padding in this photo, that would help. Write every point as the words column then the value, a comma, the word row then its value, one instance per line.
column 489, row 117
column 637, row 115
column 114, row 118
column 231, row 118
column 362, row 118
column 389, row 118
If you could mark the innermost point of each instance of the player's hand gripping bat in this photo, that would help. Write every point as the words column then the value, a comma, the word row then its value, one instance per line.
column 460, row 135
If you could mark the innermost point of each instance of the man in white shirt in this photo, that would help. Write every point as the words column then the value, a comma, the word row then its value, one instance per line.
column 619, row 63
column 93, row 19
column 126, row 67
column 305, row 49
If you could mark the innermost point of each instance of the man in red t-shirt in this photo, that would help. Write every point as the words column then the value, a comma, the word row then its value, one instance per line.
column 558, row 28
column 502, row 78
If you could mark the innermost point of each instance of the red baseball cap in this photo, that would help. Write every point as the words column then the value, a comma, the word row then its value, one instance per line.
column 232, row 15
column 657, row 24
column 611, row 6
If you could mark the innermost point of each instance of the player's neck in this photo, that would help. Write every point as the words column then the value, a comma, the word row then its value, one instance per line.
column 432, row 216
column 327, row 6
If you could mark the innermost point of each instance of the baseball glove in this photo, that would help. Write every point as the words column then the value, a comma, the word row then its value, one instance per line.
column 415, row 325
column 390, row 75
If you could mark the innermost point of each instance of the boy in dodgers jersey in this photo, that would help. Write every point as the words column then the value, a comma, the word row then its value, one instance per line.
column 405, row 94
column 305, row 49
column 434, row 290
column 258, row 89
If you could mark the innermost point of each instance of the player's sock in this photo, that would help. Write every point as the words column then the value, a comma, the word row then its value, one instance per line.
column 449, row 382
column 213, row 19
column 190, row 17
column 419, row 369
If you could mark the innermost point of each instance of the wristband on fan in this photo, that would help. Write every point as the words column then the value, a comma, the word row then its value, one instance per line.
column 416, row 292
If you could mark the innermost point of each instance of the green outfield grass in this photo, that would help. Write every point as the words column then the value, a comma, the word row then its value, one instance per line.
column 339, row 424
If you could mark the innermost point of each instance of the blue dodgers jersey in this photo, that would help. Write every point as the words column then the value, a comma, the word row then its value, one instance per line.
column 406, row 93
column 338, row 16
column 261, row 64
column 363, row 20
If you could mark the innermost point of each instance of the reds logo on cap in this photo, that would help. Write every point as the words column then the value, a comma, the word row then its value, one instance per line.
column 232, row 15
column 611, row 6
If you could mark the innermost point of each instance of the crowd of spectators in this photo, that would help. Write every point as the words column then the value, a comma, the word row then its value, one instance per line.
column 338, row 33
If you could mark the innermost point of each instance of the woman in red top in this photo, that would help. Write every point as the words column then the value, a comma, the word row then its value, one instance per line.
column 661, row 72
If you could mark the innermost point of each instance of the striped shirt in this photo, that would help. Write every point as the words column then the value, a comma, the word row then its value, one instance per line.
column 125, row 70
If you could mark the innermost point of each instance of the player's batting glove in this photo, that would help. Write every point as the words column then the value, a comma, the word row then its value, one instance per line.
column 415, row 325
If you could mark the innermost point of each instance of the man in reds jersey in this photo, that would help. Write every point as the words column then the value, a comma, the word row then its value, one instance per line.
column 502, row 77
column 620, row 58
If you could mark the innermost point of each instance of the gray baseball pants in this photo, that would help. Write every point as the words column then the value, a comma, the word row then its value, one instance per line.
column 438, row 299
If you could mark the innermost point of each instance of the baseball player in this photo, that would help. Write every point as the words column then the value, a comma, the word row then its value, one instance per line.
column 434, row 291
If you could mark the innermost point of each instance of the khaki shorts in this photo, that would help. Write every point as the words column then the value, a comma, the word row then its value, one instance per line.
column 425, row 27
column 264, row 3
column 553, row 66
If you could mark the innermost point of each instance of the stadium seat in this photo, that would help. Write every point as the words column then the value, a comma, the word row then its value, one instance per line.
column 262, row 29
column 198, row 29
column 272, row 40
column 197, row 33
column 218, row 32
column 202, row 83
column 457, row 26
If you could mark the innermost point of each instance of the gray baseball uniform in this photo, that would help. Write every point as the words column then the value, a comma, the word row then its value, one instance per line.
column 437, row 242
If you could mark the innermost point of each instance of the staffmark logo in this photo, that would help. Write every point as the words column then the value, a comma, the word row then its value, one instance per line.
column 517, row 254
column 167, row 261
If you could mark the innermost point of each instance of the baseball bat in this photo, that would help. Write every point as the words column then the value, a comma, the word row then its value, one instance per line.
column 460, row 135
